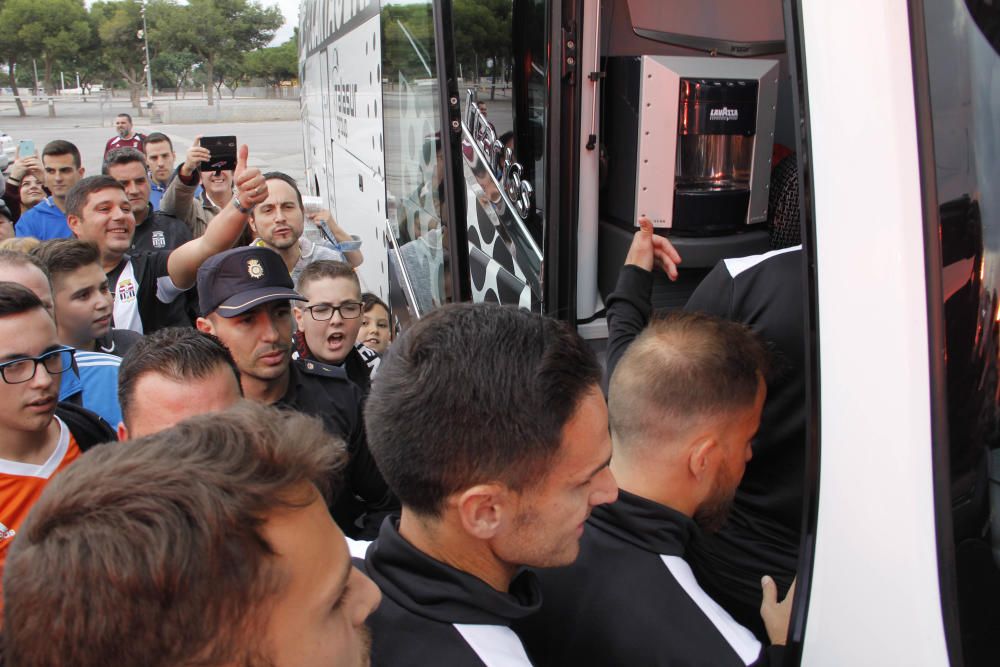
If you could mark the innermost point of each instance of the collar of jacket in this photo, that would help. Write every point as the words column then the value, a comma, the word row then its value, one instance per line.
column 429, row 588
column 645, row 524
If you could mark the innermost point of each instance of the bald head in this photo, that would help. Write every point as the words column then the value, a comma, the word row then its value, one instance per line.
column 681, row 371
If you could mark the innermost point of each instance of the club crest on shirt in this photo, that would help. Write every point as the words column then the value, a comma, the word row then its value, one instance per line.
column 6, row 533
column 126, row 290
column 159, row 241
column 255, row 269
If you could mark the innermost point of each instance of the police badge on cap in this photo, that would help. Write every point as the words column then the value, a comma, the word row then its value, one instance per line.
column 238, row 280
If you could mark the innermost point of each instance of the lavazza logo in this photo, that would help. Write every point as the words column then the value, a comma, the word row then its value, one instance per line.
column 724, row 113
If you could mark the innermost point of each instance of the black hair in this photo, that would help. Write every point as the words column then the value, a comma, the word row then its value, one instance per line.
column 157, row 137
column 62, row 147
column 77, row 196
column 474, row 393
column 179, row 353
column 277, row 175
column 16, row 299
column 123, row 155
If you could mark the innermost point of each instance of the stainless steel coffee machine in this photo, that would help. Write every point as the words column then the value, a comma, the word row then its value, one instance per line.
column 705, row 136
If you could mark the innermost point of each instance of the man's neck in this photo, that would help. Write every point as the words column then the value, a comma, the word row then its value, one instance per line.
column 110, row 261
column 32, row 447
column 650, row 482
column 291, row 254
column 141, row 214
column 266, row 391
column 84, row 343
column 220, row 199
column 454, row 547
column 60, row 203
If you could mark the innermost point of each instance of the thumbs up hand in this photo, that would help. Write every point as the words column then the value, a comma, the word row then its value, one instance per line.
column 250, row 184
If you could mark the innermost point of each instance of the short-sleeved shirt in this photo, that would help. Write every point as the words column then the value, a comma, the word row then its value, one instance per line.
column 21, row 484
column 136, row 141
column 44, row 222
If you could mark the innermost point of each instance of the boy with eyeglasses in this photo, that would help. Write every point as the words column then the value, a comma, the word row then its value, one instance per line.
column 35, row 443
column 329, row 322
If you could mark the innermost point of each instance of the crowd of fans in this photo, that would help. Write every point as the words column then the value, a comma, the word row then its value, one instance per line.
column 214, row 452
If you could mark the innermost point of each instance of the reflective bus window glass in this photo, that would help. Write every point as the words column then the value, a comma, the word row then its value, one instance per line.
column 413, row 158
column 501, row 61
column 963, row 55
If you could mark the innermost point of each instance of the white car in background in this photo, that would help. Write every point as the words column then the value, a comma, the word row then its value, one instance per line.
column 7, row 150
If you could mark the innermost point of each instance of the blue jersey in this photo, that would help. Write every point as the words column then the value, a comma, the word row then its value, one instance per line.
column 45, row 221
column 98, row 380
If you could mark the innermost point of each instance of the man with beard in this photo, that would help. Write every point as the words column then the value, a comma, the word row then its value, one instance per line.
column 208, row 543
column 279, row 223
column 490, row 426
column 126, row 137
column 684, row 405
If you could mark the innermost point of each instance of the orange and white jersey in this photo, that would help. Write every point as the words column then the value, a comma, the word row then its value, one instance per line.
column 21, row 484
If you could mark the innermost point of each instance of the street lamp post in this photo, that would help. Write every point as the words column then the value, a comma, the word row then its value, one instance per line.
column 149, row 67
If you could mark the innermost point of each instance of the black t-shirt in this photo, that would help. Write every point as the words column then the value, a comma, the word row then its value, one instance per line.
column 158, row 232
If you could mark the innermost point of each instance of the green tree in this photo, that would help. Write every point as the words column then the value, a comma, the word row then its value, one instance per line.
column 218, row 30
column 275, row 64
column 119, row 28
column 50, row 29
column 174, row 67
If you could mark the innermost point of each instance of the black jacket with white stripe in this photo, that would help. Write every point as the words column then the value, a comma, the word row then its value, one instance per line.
column 766, row 293
column 433, row 614
column 631, row 599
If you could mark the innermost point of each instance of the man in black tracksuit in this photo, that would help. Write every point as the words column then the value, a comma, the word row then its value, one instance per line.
column 489, row 425
column 761, row 536
column 685, row 402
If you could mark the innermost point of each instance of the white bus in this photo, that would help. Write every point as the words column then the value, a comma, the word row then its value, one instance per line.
column 599, row 110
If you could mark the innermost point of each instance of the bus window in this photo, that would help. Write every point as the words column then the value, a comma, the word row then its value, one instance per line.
column 414, row 166
column 502, row 77
column 963, row 95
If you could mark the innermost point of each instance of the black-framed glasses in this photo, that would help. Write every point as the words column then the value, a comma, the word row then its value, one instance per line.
column 23, row 369
column 322, row 312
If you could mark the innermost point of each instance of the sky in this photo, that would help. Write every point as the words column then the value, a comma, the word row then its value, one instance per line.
column 290, row 9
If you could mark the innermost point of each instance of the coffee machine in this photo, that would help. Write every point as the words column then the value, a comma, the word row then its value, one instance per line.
column 702, row 136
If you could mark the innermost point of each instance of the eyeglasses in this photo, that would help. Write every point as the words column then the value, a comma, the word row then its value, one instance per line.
column 21, row 370
column 322, row 312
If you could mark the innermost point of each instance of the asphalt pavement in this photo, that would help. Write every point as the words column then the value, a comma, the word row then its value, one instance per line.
column 274, row 145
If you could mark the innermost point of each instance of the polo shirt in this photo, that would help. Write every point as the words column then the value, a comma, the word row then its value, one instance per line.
column 44, row 222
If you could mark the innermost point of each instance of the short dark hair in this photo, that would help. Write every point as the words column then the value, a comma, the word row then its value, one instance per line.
column 124, row 115
column 157, row 137
column 179, row 353
column 474, row 393
column 76, row 198
column 160, row 541
column 66, row 255
column 369, row 301
column 17, row 258
column 327, row 268
column 123, row 155
column 682, row 368
column 16, row 299
column 61, row 147
column 279, row 176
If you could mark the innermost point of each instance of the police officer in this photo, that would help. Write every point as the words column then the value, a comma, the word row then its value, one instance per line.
column 245, row 296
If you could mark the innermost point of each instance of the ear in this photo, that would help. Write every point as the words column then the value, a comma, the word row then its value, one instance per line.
column 122, row 431
column 252, row 222
column 483, row 509
column 702, row 458
column 204, row 325
column 74, row 221
column 82, row 171
column 298, row 313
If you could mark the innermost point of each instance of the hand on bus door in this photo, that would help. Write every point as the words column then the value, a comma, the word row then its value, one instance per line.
column 776, row 615
column 650, row 250
column 250, row 185
column 194, row 157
